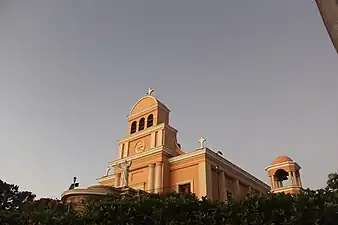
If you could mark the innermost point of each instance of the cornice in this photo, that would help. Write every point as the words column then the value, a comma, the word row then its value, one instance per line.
column 82, row 192
column 187, row 155
column 275, row 166
column 142, row 133
column 144, row 111
column 171, row 128
column 236, row 168
column 287, row 188
column 217, row 157
column 142, row 154
column 157, row 105
column 105, row 178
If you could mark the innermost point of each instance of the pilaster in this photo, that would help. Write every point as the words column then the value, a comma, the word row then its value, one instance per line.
column 159, row 141
column 151, row 178
column 121, row 149
column 237, row 188
column 209, row 181
column 152, row 140
column 202, row 180
column 117, row 180
column 158, row 177
column 222, row 189
column 291, row 178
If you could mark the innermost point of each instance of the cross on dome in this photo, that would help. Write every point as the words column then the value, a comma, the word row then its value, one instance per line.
column 150, row 91
column 202, row 141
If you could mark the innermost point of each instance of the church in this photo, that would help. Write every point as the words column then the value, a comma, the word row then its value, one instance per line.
column 151, row 160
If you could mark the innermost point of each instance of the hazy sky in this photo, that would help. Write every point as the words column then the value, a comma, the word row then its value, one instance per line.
column 257, row 78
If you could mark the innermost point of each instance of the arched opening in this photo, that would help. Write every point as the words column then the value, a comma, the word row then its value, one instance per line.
column 281, row 178
column 133, row 127
column 141, row 124
column 150, row 120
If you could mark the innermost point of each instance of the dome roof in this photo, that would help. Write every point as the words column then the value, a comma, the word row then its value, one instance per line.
column 281, row 159
column 146, row 102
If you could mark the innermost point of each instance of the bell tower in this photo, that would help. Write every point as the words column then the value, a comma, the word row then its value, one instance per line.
column 284, row 176
column 148, row 128
column 149, row 143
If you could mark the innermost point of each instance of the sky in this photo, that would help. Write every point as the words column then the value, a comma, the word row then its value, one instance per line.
column 258, row 79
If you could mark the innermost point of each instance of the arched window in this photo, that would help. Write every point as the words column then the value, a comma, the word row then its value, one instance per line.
column 282, row 178
column 141, row 124
column 133, row 127
column 150, row 120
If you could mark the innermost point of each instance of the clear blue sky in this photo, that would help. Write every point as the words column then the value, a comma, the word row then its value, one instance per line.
column 257, row 78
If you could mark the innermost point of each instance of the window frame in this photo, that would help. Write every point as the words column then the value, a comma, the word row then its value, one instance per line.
column 191, row 182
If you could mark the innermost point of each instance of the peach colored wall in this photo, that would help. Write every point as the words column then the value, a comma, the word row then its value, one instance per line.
column 142, row 162
column 230, row 185
column 145, row 103
column 163, row 116
column 234, row 175
column 132, row 144
column 166, row 175
column 184, row 173
column 139, row 177
column 244, row 190
column 170, row 139
column 215, row 185
column 145, row 161
column 143, row 115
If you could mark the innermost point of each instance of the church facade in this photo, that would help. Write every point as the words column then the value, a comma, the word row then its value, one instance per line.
column 150, row 159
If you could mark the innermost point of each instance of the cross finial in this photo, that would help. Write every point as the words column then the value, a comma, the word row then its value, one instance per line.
column 150, row 91
column 201, row 141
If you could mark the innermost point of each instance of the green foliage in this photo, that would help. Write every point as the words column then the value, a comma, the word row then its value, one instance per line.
column 48, row 211
column 310, row 207
column 332, row 182
column 11, row 202
column 11, row 198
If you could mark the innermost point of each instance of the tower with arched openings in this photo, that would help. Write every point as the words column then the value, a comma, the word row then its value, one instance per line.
column 284, row 175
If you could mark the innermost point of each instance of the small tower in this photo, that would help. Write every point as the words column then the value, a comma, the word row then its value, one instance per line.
column 284, row 176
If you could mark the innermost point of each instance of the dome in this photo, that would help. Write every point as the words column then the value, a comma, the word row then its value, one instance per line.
column 281, row 159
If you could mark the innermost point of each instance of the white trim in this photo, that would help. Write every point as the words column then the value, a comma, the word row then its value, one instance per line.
column 215, row 156
column 187, row 155
column 288, row 188
column 158, row 103
column 143, row 111
column 141, row 99
column 141, row 133
column 236, row 168
column 191, row 182
column 142, row 154
column 274, row 166
column 85, row 192
column 104, row 178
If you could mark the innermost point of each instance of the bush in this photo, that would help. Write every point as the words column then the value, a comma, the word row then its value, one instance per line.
column 309, row 207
